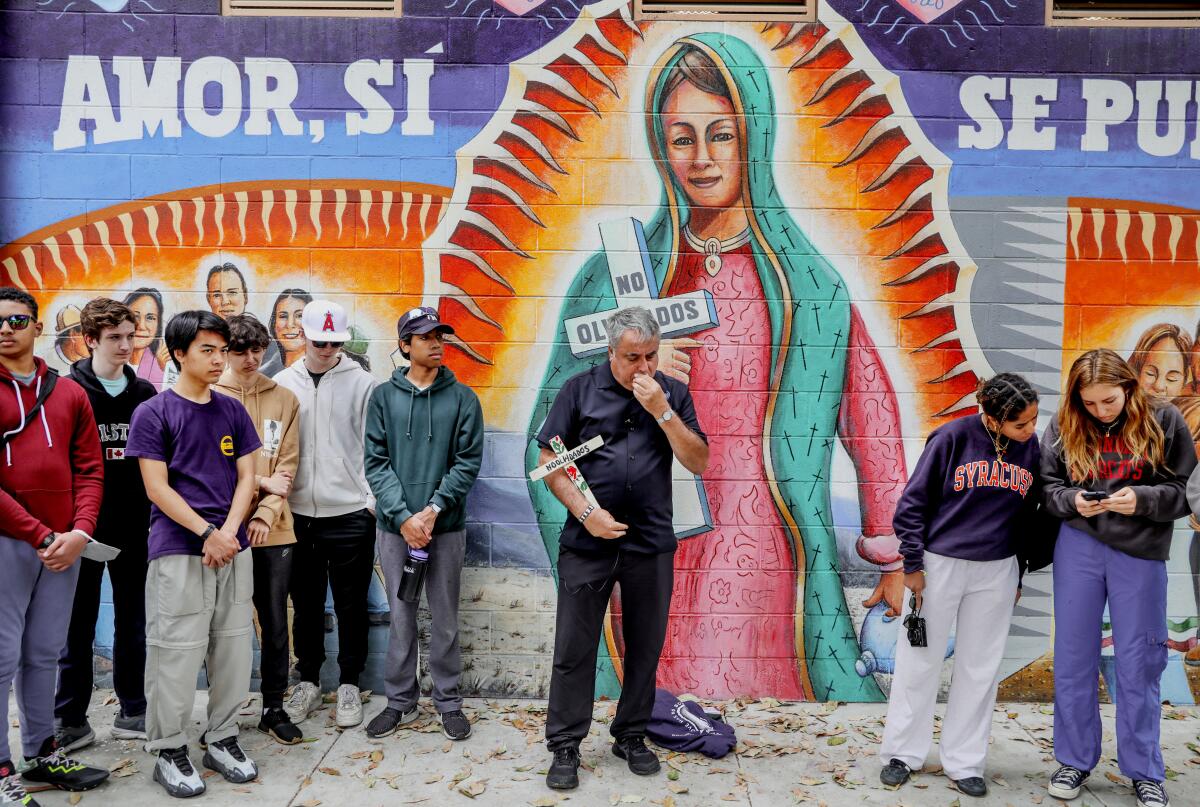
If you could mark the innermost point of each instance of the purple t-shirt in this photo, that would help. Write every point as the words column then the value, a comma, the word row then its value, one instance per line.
column 201, row 444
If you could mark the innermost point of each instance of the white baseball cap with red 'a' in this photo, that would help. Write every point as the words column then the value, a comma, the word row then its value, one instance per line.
column 325, row 321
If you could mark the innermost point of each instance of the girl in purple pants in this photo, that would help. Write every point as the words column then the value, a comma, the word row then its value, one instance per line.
column 1115, row 465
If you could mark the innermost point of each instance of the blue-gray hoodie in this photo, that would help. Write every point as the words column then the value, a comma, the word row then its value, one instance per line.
column 423, row 447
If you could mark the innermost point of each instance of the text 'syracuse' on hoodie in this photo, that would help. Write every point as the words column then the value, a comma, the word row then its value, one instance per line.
column 51, row 476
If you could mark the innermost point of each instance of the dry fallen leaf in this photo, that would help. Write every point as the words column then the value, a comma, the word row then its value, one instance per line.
column 309, row 803
column 330, row 771
column 677, row 789
column 124, row 767
column 545, row 801
column 74, row 798
column 473, row 789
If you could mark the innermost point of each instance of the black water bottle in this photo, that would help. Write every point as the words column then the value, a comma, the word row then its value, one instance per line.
column 412, row 579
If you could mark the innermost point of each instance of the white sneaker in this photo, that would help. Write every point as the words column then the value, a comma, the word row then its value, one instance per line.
column 349, row 706
column 303, row 701
column 175, row 772
column 227, row 758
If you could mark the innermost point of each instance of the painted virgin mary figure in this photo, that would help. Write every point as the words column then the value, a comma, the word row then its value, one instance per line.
column 759, row 607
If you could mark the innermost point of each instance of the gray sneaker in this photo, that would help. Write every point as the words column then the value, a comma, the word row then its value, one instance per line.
column 72, row 738
column 129, row 727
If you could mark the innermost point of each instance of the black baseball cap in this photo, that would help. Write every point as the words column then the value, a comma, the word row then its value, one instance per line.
column 422, row 319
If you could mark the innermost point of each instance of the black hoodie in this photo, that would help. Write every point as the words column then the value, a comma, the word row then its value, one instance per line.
column 125, row 510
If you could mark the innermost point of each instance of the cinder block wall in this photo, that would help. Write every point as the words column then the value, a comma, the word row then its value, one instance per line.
column 931, row 193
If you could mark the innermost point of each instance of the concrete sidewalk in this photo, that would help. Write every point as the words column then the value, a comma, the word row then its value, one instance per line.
column 806, row 754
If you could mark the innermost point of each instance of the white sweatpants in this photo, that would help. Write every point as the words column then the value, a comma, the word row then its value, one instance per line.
column 979, row 595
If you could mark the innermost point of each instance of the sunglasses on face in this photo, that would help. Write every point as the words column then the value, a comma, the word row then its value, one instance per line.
column 323, row 345
column 18, row 322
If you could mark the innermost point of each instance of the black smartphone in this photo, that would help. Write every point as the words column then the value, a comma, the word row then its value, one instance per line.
column 1095, row 495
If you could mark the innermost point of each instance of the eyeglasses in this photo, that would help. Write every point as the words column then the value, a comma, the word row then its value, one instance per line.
column 323, row 345
column 18, row 322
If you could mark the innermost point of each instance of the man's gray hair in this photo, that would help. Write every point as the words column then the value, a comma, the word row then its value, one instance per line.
column 636, row 319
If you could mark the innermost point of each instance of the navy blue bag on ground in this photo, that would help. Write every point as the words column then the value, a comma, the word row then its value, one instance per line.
column 683, row 726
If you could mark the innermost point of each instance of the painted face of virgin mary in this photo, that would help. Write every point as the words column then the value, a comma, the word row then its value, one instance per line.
column 703, row 147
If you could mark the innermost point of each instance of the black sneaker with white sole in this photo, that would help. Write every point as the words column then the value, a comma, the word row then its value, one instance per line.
column 973, row 786
column 227, row 758
column 129, row 727
column 12, row 792
column 455, row 725
column 1150, row 794
column 53, row 767
column 386, row 722
column 1066, row 782
column 72, row 738
column 175, row 772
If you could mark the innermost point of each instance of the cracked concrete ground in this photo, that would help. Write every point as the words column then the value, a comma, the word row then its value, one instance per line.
column 788, row 754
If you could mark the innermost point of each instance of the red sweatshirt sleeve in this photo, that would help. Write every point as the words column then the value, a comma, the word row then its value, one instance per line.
column 18, row 523
column 87, row 462
column 869, row 428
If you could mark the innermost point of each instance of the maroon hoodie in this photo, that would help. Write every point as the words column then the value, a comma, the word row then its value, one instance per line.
column 51, row 473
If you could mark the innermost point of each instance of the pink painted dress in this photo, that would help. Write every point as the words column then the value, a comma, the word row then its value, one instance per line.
column 732, row 628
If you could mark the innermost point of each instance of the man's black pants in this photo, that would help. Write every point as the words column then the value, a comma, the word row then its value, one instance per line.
column 339, row 553
column 272, row 577
column 585, row 583
column 127, row 572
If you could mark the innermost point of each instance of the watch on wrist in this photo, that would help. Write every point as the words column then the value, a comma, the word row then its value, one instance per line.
column 437, row 510
column 209, row 530
column 664, row 417
column 48, row 541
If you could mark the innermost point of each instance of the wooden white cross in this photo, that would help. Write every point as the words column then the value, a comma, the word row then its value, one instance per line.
column 634, row 284
column 566, row 460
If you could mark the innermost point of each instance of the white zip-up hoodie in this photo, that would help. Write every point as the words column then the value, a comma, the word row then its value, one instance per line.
column 330, row 480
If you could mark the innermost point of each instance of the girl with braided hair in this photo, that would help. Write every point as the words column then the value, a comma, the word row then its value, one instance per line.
column 1133, row 453
column 973, row 492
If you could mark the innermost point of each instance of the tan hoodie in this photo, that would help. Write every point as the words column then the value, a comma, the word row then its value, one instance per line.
column 276, row 415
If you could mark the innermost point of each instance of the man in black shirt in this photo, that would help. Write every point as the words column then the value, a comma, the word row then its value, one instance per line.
column 646, row 420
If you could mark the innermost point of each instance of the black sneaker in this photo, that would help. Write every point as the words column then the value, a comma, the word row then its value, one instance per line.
column 455, row 725
column 386, row 722
column 53, row 767
column 1066, row 782
column 11, row 789
column 72, row 738
column 1150, row 794
column 128, row 727
column 564, row 770
column 276, row 723
column 227, row 758
column 972, row 786
column 895, row 773
column 175, row 772
column 641, row 759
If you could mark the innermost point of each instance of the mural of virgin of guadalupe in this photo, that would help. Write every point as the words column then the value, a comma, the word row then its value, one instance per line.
column 759, row 607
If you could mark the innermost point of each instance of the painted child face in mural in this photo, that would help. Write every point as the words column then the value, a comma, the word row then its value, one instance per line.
column 703, row 148
column 1164, row 371
column 226, row 295
column 146, row 315
column 286, row 323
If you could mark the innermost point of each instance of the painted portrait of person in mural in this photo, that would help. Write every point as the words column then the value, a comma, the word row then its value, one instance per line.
column 148, row 358
column 225, row 290
column 1162, row 360
column 790, row 369
column 287, row 333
